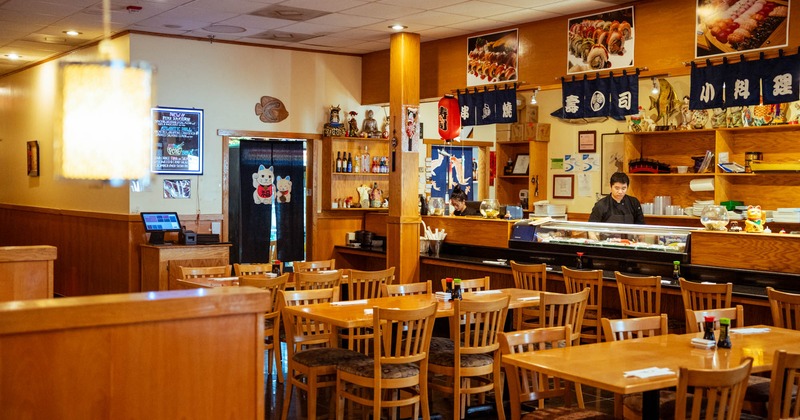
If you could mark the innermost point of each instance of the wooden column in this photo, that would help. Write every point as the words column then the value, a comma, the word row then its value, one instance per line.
column 402, row 239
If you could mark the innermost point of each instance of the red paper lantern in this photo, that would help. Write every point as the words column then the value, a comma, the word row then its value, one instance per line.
column 449, row 118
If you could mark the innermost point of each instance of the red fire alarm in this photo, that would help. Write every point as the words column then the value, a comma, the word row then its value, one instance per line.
column 133, row 9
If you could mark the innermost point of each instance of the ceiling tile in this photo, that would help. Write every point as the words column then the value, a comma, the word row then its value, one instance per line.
column 524, row 16
column 424, row 4
column 568, row 7
column 256, row 22
column 362, row 34
column 234, row 6
column 441, row 32
column 311, row 28
column 43, row 7
column 526, row 4
column 478, row 9
column 195, row 14
column 434, row 18
column 349, row 21
column 7, row 15
column 327, row 6
column 382, row 11
column 479, row 25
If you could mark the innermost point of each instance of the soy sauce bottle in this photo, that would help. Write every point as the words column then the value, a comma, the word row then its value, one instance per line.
column 708, row 328
column 448, row 290
column 457, row 289
column 724, row 333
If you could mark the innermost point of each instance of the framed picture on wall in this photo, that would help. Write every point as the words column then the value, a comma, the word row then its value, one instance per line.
column 612, row 152
column 563, row 186
column 521, row 164
column 33, row 158
column 587, row 142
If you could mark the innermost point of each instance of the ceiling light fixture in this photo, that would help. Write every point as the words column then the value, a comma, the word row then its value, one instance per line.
column 101, row 98
column 72, row 32
column 533, row 97
column 13, row 56
column 655, row 87
column 398, row 27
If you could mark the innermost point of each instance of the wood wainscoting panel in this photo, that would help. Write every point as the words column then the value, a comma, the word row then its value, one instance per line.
column 26, row 272
column 748, row 251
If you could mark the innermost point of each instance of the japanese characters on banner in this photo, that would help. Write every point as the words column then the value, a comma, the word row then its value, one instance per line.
column 615, row 96
column 498, row 106
column 767, row 81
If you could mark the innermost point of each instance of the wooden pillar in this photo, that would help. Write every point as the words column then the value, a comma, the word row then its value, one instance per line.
column 402, row 239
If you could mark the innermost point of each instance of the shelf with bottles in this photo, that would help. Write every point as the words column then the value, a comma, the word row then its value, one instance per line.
column 348, row 155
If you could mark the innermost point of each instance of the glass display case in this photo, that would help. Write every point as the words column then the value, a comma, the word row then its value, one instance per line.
column 642, row 242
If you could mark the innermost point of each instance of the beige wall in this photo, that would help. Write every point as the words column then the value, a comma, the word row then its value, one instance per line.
column 223, row 79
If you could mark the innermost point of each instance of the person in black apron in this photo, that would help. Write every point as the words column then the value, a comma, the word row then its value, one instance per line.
column 618, row 207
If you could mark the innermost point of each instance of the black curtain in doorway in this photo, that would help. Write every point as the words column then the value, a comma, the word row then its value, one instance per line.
column 271, row 178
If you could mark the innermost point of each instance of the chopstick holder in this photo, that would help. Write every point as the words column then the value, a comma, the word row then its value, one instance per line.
column 486, row 292
column 749, row 330
column 349, row 302
column 652, row 372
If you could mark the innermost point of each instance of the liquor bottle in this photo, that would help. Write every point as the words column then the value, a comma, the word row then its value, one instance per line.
column 579, row 264
column 474, row 169
column 374, row 165
column 349, row 163
column 448, row 290
column 365, row 160
column 457, row 289
column 357, row 165
column 676, row 272
column 724, row 333
column 338, row 161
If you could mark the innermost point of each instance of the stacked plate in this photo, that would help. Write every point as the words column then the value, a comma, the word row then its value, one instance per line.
column 697, row 209
column 787, row 215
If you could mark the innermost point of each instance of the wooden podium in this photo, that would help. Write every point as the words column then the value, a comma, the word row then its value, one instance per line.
column 160, row 262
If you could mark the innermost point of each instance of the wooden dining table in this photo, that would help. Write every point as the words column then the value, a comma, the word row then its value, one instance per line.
column 358, row 313
column 603, row 365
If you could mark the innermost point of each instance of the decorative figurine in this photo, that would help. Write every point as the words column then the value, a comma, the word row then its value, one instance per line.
column 370, row 125
column 699, row 119
column 363, row 196
column 755, row 219
column 334, row 127
column 735, row 115
column 718, row 118
column 385, row 128
column 352, row 125
column 685, row 119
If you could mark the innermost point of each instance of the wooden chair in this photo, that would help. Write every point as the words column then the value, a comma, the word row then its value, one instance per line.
column 364, row 285
column 785, row 309
column 527, row 386
column 577, row 280
column 783, row 403
column 695, row 319
column 717, row 391
column 310, row 354
column 471, row 285
column 315, row 280
column 530, row 277
column 272, row 319
column 205, row 272
column 399, row 364
column 421, row 288
column 306, row 266
column 251, row 269
column 639, row 296
column 630, row 406
column 473, row 366
column 705, row 295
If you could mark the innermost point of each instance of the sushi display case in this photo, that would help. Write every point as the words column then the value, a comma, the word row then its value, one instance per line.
column 604, row 240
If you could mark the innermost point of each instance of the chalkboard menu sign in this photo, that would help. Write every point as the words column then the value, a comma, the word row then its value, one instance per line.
column 178, row 145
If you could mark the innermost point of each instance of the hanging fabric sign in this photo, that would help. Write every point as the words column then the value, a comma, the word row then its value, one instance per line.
column 624, row 96
column 506, row 106
column 741, row 84
column 596, row 98
column 706, row 87
column 466, row 105
column 573, row 98
column 779, row 79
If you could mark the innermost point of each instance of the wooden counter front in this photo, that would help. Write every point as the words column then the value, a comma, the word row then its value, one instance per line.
column 190, row 354
column 460, row 230
column 748, row 251
column 160, row 262
column 26, row 272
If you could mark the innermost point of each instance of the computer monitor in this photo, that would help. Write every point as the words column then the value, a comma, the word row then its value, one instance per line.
column 156, row 223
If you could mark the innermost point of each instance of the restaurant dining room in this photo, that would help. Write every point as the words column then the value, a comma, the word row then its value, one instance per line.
column 448, row 210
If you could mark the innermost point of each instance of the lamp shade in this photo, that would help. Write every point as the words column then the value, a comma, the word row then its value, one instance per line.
column 449, row 118
column 105, row 132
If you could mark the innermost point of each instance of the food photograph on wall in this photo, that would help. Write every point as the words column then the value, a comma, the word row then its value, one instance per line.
column 492, row 58
column 729, row 26
column 600, row 42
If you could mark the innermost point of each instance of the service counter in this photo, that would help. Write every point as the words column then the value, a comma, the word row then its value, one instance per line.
column 26, row 272
column 160, row 262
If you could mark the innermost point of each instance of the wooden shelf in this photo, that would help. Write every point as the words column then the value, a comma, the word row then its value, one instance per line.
column 340, row 185
column 512, row 177
column 361, row 174
column 362, row 209
column 770, row 190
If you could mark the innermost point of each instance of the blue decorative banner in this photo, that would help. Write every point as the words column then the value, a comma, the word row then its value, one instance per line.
column 779, row 79
column 706, row 87
column 742, row 84
column 624, row 96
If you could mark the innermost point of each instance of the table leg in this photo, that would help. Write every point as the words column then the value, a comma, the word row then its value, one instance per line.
column 650, row 404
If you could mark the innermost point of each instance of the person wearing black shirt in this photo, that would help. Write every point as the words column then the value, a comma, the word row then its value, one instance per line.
column 618, row 207
column 458, row 199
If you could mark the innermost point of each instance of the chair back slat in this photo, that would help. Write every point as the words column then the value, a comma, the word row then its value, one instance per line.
column 273, row 284
column 303, row 332
column 705, row 295
column 478, row 323
column 629, row 328
column 558, row 310
column 785, row 308
column 529, row 276
column 785, row 380
column 251, row 269
column 320, row 265
column 311, row 280
column 368, row 284
column 421, row 288
column 471, row 285
column 404, row 335
column 526, row 385
column 205, row 272
column 716, row 392
column 639, row 296
column 695, row 319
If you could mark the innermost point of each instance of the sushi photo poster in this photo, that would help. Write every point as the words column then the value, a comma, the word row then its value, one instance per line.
column 728, row 27
column 602, row 41
column 492, row 58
